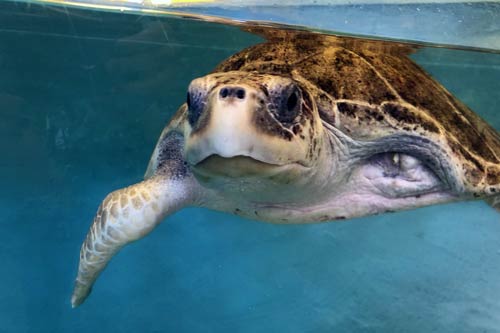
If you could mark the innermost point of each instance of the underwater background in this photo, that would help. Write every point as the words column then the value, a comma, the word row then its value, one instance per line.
column 84, row 96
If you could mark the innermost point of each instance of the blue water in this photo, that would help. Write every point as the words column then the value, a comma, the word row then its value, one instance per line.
column 83, row 98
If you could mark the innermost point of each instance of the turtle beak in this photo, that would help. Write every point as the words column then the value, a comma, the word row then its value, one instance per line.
column 228, row 128
column 234, row 167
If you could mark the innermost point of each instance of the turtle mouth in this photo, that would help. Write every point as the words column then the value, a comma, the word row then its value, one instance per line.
column 234, row 166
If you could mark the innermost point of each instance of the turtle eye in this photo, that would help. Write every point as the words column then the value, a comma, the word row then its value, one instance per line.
column 291, row 103
column 289, row 107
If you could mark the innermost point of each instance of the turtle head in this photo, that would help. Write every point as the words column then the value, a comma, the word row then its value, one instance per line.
column 247, row 124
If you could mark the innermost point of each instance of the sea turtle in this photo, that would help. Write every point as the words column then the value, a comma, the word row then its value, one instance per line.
column 303, row 128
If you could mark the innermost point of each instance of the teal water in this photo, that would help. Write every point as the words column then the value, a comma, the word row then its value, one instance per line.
column 84, row 96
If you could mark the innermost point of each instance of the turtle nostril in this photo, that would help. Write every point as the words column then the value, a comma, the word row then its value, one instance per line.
column 224, row 92
column 240, row 93
column 234, row 92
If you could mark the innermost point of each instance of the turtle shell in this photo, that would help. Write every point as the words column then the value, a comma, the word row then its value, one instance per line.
column 370, row 89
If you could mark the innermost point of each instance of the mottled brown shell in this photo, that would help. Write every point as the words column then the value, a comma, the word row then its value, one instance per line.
column 374, row 89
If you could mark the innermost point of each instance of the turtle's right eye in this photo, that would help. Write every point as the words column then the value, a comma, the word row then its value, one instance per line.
column 195, row 101
column 291, row 103
column 288, row 104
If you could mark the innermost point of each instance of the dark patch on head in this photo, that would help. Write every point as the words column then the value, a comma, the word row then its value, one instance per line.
column 492, row 176
column 274, row 68
column 263, row 88
column 347, row 109
column 328, row 85
column 325, row 107
column 404, row 115
column 473, row 175
column 170, row 160
column 459, row 149
column 361, row 112
column 267, row 124
column 236, row 64
column 296, row 129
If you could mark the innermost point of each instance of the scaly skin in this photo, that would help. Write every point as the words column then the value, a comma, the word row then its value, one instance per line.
column 124, row 216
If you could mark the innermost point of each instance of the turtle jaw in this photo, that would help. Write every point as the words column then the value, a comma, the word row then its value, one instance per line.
column 243, row 178
column 232, row 167
column 235, row 166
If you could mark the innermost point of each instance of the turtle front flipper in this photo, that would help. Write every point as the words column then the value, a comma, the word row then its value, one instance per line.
column 131, row 213
column 124, row 216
